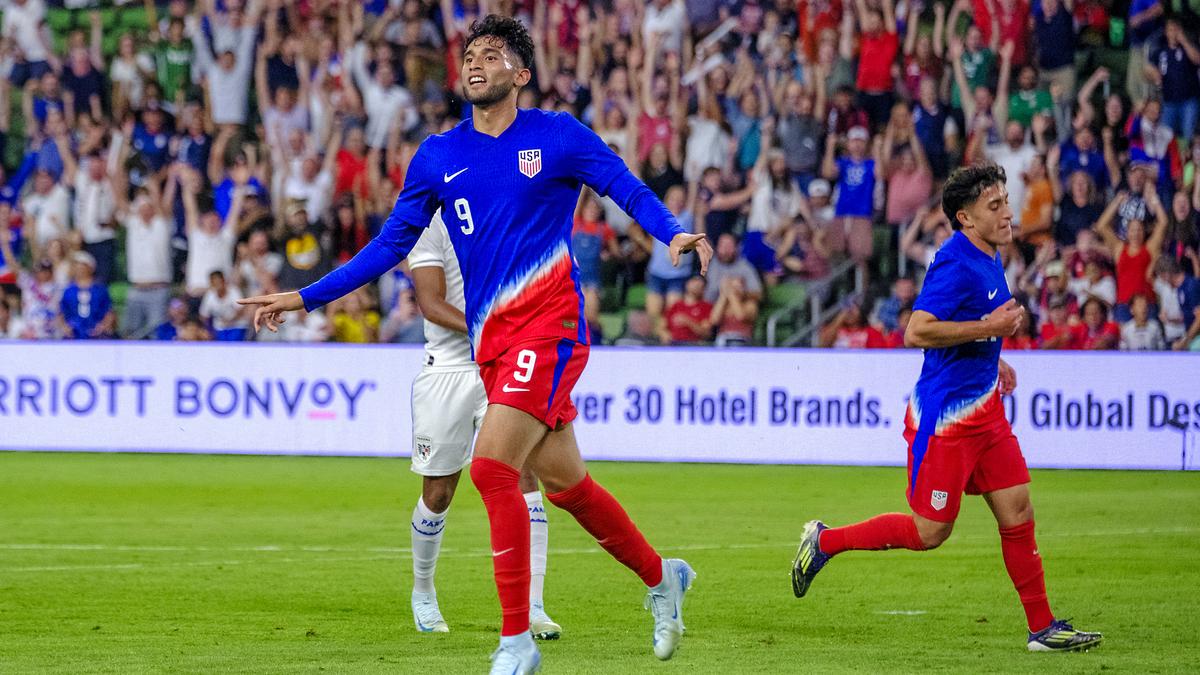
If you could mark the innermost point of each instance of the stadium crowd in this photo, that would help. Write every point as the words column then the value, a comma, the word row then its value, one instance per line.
column 160, row 162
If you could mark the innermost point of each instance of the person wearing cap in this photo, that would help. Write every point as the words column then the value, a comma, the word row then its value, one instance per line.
column 1062, row 328
column 856, row 173
column 1055, row 287
column 86, row 306
column 306, row 249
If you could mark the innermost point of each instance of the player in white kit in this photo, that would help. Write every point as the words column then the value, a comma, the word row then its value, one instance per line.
column 448, row 403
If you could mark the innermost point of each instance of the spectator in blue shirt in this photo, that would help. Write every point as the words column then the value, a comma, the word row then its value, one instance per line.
column 86, row 307
column 1174, row 67
column 1055, row 32
column 1145, row 21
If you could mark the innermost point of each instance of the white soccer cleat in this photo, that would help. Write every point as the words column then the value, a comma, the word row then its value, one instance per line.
column 665, row 602
column 521, row 658
column 541, row 625
column 426, row 614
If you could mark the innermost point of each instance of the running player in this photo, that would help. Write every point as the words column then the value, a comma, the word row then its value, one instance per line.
column 507, row 181
column 959, row 439
column 448, row 404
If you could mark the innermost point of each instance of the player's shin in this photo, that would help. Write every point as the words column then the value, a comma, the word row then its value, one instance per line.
column 497, row 483
column 602, row 516
column 539, row 538
column 427, row 528
column 1024, row 567
column 889, row 530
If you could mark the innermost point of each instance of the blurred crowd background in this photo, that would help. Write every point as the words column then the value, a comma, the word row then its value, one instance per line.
column 161, row 160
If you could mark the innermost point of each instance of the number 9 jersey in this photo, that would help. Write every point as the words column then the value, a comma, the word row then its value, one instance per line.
column 508, row 203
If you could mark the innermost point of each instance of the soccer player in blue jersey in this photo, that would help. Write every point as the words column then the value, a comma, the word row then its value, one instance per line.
column 959, row 439
column 507, row 181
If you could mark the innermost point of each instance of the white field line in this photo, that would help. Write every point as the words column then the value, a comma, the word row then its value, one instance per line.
column 389, row 554
column 386, row 553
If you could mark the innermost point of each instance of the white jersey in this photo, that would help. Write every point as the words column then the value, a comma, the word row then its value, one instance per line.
column 443, row 347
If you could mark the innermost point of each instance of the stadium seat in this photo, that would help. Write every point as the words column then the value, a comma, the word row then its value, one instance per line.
column 134, row 18
column 612, row 324
column 60, row 21
column 118, row 291
column 786, row 293
column 635, row 298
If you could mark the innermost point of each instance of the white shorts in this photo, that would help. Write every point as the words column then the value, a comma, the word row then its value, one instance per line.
column 448, row 404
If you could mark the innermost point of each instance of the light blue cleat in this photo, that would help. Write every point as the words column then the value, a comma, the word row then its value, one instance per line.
column 517, row 655
column 665, row 602
column 426, row 614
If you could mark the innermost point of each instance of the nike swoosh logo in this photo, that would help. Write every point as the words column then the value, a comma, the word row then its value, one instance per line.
column 508, row 390
column 497, row 554
column 993, row 293
column 447, row 177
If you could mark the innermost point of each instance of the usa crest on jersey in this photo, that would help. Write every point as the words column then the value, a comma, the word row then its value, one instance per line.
column 529, row 162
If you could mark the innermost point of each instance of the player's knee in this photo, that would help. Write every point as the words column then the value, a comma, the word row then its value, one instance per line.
column 437, row 497
column 934, row 534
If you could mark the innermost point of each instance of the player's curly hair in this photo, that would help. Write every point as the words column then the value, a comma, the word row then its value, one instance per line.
column 508, row 29
column 965, row 185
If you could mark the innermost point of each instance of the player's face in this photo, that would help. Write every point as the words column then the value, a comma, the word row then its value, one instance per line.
column 990, row 216
column 491, row 74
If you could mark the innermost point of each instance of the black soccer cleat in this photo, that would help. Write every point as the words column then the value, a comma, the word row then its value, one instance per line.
column 1061, row 636
column 809, row 558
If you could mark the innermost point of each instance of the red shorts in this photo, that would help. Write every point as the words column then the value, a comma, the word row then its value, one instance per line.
column 537, row 376
column 942, row 468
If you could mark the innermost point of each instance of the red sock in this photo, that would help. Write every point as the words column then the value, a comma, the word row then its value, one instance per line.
column 600, row 514
column 890, row 530
column 1025, row 569
column 508, row 517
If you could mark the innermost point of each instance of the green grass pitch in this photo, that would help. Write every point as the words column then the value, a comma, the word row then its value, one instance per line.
column 156, row 563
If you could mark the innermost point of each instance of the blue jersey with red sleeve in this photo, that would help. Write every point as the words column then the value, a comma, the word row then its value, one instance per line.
column 956, row 393
column 509, row 205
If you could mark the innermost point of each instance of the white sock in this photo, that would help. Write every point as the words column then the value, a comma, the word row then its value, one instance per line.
column 427, row 529
column 539, row 537
column 521, row 641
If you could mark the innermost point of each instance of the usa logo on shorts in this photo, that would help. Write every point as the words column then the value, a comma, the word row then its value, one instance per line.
column 938, row 500
column 529, row 162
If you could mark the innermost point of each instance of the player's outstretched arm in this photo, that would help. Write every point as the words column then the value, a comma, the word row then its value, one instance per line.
column 601, row 169
column 926, row 331
column 413, row 210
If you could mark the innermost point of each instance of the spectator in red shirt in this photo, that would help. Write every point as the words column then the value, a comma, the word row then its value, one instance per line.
column 1134, row 256
column 687, row 320
column 1098, row 332
column 1061, row 330
column 849, row 329
column 878, row 47
column 1011, row 18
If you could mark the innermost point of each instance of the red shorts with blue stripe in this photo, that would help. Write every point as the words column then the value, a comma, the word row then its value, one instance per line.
column 942, row 468
column 537, row 376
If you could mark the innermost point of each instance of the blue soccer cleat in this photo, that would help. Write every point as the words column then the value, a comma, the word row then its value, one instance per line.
column 1061, row 636
column 809, row 558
